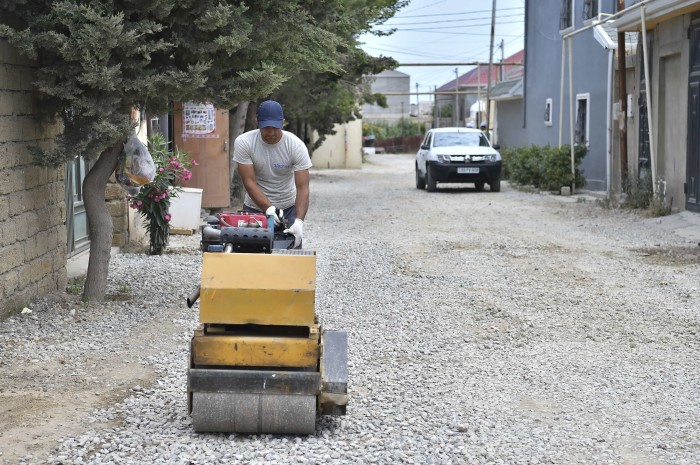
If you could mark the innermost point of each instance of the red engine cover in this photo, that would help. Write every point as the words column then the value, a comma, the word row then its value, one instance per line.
column 243, row 220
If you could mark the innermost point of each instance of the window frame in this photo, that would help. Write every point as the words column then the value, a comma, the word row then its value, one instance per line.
column 428, row 139
column 587, row 97
column 570, row 26
column 596, row 4
column 548, row 112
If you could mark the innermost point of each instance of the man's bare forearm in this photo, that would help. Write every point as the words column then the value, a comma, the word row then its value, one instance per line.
column 301, row 180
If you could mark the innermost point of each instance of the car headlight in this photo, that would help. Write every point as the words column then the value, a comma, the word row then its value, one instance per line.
column 444, row 158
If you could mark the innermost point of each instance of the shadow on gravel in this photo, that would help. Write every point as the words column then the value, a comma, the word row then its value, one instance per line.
column 460, row 190
column 670, row 255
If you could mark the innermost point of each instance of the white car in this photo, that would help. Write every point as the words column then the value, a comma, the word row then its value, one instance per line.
column 458, row 155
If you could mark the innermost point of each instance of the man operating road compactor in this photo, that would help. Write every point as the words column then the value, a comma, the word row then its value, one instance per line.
column 274, row 167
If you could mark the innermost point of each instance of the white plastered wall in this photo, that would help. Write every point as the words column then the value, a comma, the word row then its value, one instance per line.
column 341, row 150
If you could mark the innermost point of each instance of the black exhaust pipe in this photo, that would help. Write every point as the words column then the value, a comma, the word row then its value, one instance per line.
column 193, row 298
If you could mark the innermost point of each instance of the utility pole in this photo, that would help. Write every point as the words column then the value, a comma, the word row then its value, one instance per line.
column 436, row 108
column 500, row 68
column 622, row 98
column 417, row 101
column 488, row 92
column 455, row 113
column 479, row 108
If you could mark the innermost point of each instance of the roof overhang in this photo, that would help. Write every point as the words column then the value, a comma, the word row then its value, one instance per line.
column 656, row 11
column 603, row 37
column 508, row 90
column 507, row 98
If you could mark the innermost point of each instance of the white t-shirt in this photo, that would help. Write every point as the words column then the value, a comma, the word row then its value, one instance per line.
column 274, row 165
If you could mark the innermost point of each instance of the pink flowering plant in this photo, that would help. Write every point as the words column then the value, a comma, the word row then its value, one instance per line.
column 153, row 200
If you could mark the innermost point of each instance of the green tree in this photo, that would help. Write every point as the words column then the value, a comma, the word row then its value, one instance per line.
column 321, row 99
column 99, row 59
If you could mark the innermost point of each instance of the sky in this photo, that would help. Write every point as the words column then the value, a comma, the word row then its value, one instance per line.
column 447, row 31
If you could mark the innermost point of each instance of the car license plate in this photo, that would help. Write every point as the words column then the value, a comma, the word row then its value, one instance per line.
column 467, row 170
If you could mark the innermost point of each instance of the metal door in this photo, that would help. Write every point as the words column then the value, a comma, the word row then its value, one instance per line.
column 202, row 131
column 692, row 184
column 76, row 217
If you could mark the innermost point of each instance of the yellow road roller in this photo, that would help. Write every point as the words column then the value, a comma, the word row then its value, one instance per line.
column 260, row 362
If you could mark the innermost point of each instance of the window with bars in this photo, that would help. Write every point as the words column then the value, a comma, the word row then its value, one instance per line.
column 590, row 9
column 567, row 14
column 581, row 128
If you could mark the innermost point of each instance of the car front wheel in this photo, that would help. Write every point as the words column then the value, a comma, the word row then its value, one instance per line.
column 496, row 185
column 420, row 181
column 430, row 182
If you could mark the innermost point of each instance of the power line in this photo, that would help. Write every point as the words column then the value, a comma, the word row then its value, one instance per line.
column 453, row 27
column 398, row 15
column 450, row 20
column 404, row 52
column 428, row 6
column 439, row 31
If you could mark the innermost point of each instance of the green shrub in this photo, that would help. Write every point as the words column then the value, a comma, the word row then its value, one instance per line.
column 556, row 166
column 384, row 130
column 640, row 195
column 638, row 192
column 507, row 155
column 544, row 167
column 153, row 200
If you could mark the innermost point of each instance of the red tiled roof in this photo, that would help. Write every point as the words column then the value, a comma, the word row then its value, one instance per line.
column 480, row 74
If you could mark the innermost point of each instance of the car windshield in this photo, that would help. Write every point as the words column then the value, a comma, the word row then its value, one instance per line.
column 467, row 139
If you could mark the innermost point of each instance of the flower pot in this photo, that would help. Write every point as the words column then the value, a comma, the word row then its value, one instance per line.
column 185, row 209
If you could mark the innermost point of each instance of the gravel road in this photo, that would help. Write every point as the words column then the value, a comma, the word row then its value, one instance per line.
column 484, row 328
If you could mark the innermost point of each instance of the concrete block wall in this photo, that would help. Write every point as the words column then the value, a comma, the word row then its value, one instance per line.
column 32, row 199
column 118, row 207
column 341, row 150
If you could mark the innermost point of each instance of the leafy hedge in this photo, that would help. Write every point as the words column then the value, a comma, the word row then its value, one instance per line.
column 544, row 167
column 384, row 130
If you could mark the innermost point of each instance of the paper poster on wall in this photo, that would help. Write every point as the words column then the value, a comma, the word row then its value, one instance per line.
column 199, row 121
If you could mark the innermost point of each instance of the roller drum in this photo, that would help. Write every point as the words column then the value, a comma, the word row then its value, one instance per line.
column 253, row 413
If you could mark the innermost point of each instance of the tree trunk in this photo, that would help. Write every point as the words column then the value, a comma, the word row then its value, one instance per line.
column 237, row 123
column 100, row 222
column 251, row 120
column 236, row 127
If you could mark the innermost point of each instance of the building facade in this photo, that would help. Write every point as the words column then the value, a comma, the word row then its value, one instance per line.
column 398, row 106
column 668, row 140
column 549, row 104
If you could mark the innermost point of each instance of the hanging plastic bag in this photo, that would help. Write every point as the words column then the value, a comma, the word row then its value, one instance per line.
column 135, row 166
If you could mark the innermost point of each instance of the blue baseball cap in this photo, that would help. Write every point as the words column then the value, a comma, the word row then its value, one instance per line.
column 270, row 115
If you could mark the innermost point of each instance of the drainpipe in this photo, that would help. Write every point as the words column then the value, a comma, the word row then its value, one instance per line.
column 571, row 117
column 608, row 121
column 652, row 150
column 561, row 92
column 622, row 96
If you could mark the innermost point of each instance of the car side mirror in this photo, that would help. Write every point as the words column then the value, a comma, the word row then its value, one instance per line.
column 496, row 146
column 425, row 147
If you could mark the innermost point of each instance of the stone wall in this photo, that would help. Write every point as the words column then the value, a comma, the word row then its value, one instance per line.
column 32, row 199
column 118, row 207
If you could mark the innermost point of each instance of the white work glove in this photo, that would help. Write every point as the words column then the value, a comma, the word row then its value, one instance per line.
column 271, row 210
column 297, row 229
